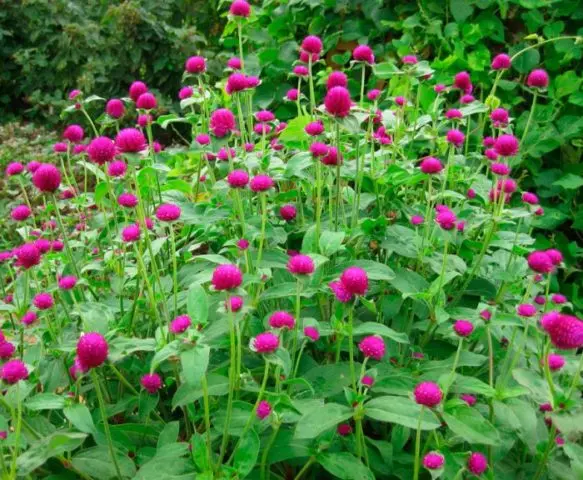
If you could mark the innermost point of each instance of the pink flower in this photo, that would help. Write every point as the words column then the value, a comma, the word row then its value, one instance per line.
column 446, row 219
column 68, row 282
column 471, row 193
column 234, row 63
column 101, row 150
column 238, row 178
column 477, row 463
column 180, row 324
column 128, row 200
column 499, row 117
column 507, row 185
column 305, row 57
column 261, row 183
column 130, row 140
column 117, row 168
column 185, row 92
column 319, row 149
column 29, row 318
column 545, row 407
column 42, row 244
column 115, row 108
column 540, row 262
column 196, row 64
column 237, row 82
column 409, row 60
column 131, row 233
column 540, row 300
column 467, row 98
column 288, row 212
column 363, row 53
column 463, row 328
column 300, row 265
column 234, row 303
column 416, row 220
column 263, row 410
column 312, row 44
column 372, row 347
column 332, row 157
column 203, row 139
column 354, row 280
column 367, row 381
column 43, row 301
column 530, row 198
column 301, row 71
column 488, row 141
column 265, row 342
column 555, row 361
column 463, row 82
column 469, row 399
column 20, row 213
column 440, row 87
column 73, row 94
column 565, row 331
column 344, row 429
column 6, row 350
column 312, row 333
column 13, row 371
column 281, row 319
column 262, row 128
column 337, row 102
column 506, row 145
column 47, row 178
column 292, row 94
column 558, row 299
column 222, row 122
column 314, row 128
column 336, row 79
column 146, row 101
column 92, row 349
column 60, row 147
column 555, row 255
column 27, row 255
column 340, row 292
column 16, row 168
column 144, row 120
column 226, row 277
column 265, row 116
column 136, row 89
column 400, row 101
column 433, row 461
column 431, row 165
column 500, row 169
column 74, row 133
column 427, row 394
column 538, row 79
column 240, row 8
column 253, row 81
column 455, row 137
column 168, row 212
column 501, row 62
column 526, row 310
column 152, row 382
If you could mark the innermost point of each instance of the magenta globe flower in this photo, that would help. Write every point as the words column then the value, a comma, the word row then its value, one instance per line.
column 463, row 82
column 180, row 324
column 68, row 282
column 137, row 88
column 263, row 409
column 222, row 122
column 300, row 265
column 506, row 145
column 431, row 165
column 312, row 44
column 463, row 328
column 265, row 342
column 43, row 301
column 469, row 399
column 115, row 108
column 195, row 64
column 240, row 8
column 372, row 347
column 47, row 178
column 168, row 212
column 292, row 94
column 117, row 169
column 152, row 382
column 130, row 140
column 20, row 213
column 446, row 219
column 27, row 255
column 363, row 53
column 131, row 233
column 15, row 168
column 433, row 461
column 538, row 78
column 6, row 350
column 455, row 137
column 288, row 212
column 226, row 277
column 238, row 178
column 13, row 371
column 127, row 200
column 540, row 262
column 565, row 331
column 74, row 133
column 29, row 318
column 556, row 362
column 312, row 333
column 337, row 102
column 336, row 79
column 477, row 463
column 428, row 394
column 234, row 303
column 237, row 82
column 501, row 62
column 261, row 183
column 281, row 319
column 146, row 101
column 101, row 150
column 92, row 349
column 355, row 280
column 555, row 255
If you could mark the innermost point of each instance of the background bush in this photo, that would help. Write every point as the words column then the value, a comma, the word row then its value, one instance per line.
column 49, row 48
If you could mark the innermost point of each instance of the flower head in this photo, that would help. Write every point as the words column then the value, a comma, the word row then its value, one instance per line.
column 222, row 122
column 237, row 82
column 455, row 137
column 74, row 133
column 263, row 409
column 526, row 310
column 431, row 165
column 337, row 102
column 300, row 265
column 27, row 255
column 555, row 255
column 428, row 394
column 131, row 233
column 240, row 8
column 477, row 463
column 314, row 128
column 506, row 145
column 446, row 219
column 68, row 282
column 417, row 220
column 332, row 157
column 6, row 350
column 152, row 382
column 433, row 461
column 137, row 88
column 115, row 108
column 180, row 324
column 463, row 328
column 234, row 303
column 234, row 63
column 130, row 140
column 168, row 212
column 312, row 44
column 226, row 277
column 117, row 168
column 20, row 213
column 29, row 318
column 372, row 347
column 92, row 349
column 261, row 183
column 43, row 301
column 15, row 168
column 340, row 292
column 312, row 333
column 336, row 79
column 146, row 101
column 565, row 331
column 555, row 361
column 196, row 64
column 463, row 82
column 363, row 53
column 344, row 429
column 501, row 62
column 292, row 94
column 288, row 212
column 47, row 178
column 540, row 262
column 538, row 78
column 266, row 342
column 281, row 319
column 469, row 399
column 13, row 371
column 238, row 178
column 355, row 280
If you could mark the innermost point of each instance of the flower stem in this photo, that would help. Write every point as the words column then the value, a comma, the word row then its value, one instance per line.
column 263, row 198
column 362, row 81
column 65, row 238
column 338, row 180
column 351, row 345
column 101, row 402
column 265, row 471
column 17, row 431
column 174, row 268
column 312, row 95
column 456, row 360
column 416, row 465
column 530, row 117
column 207, row 421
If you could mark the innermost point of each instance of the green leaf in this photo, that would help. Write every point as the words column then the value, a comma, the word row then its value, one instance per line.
column 48, row 447
column 329, row 380
column 246, row 453
column 375, row 270
column 294, row 132
column 195, row 363
column 318, row 421
column 96, row 463
column 79, row 415
column 96, row 316
column 46, row 401
column 331, row 242
column 345, row 466
column 536, row 384
column 570, row 182
column 465, row 384
column 460, row 10
column 373, row 328
column 386, row 70
column 471, row 426
column 169, row 434
column 402, row 411
column 197, row 304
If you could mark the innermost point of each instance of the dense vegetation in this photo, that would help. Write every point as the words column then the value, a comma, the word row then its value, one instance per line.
column 356, row 257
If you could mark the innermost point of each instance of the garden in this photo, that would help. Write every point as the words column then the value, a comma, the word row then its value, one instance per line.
column 291, row 240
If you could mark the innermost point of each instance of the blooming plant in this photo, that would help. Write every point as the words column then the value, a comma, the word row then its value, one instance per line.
column 352, row 294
